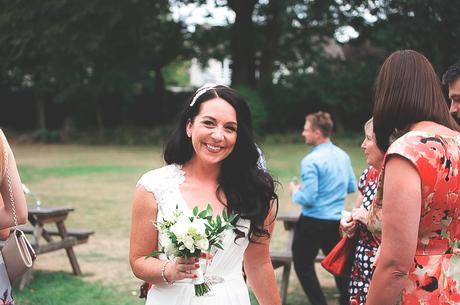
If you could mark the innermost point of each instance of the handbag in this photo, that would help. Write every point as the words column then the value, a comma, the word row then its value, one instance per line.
column 18, row 254
column 340, row 259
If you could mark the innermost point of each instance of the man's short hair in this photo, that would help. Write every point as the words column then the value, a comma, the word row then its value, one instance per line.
column 322, row 121
column 451, row 75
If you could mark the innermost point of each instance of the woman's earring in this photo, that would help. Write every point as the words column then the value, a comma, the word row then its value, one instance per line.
column 189, row 135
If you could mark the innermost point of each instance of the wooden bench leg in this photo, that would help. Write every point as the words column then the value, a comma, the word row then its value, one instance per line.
column 70, row 253
column 25, row 279
column 285, row 282
column 73, row 261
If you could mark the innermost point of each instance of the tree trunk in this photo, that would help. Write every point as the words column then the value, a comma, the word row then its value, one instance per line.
column 272, row 31
column 99, row 119
column 40, row 111
column 160, row 90
column 337, row 118
column 243, row 43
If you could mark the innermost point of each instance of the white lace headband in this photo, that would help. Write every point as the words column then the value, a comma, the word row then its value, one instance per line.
column 203, row 89
column 199, row 93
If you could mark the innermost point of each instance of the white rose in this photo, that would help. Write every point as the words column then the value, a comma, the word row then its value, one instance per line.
column 203, row 244
column 164, row 240
column 167, row 244
column 180, row 228
column 170, row 249
column 199, row 225
column 189, row 243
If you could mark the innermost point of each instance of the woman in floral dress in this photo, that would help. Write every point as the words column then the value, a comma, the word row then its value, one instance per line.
column 355, row 223
column 416, row 213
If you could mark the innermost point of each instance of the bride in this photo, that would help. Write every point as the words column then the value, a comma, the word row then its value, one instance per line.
column 212, row 158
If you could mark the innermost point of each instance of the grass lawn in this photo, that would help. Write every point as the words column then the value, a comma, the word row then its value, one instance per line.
column 98, row 181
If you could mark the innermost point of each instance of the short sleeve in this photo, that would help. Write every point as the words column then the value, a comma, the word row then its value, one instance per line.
column 163, row 182
column 422, row 150
column 147, row 181
column 419, row 149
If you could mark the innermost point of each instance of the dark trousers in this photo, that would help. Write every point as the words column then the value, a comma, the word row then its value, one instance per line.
column 311, row 235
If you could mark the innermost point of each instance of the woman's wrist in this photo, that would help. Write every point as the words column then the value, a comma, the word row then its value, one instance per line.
column 166, row 275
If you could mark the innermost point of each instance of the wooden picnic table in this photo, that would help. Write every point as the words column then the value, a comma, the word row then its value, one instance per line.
column 53, row 239
column 284, row 258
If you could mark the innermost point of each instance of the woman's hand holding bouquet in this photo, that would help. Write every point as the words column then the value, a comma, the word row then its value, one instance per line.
column 188, row 237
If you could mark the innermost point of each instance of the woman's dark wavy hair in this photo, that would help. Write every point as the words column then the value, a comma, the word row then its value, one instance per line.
column 406, row 91
column 249, row 190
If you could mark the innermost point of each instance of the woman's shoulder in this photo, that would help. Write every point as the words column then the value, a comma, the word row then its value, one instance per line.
column 162, row 178
column 417, row 140
column 425, row 145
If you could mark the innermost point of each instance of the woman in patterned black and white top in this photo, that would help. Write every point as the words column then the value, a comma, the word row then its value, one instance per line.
column 366, row 247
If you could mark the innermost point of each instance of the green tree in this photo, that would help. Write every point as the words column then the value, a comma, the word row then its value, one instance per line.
column 90, row 53
column 285, row 41
column 269, row 35
column 430, row 27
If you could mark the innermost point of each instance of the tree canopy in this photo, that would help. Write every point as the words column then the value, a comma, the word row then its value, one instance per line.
column 103, row 63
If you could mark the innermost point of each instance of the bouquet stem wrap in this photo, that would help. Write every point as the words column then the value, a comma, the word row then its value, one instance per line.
column 201, row 287
column 199, row 275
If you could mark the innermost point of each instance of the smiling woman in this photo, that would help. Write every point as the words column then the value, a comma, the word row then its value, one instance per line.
column 213, row 131
column 212, row 159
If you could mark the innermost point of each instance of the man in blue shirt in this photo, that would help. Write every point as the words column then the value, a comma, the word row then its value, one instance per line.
column 326, row 178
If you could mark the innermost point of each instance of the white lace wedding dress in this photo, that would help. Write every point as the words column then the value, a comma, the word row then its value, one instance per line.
column 225, row 269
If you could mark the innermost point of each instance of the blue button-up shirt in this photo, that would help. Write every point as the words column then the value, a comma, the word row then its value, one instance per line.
column 327, row 177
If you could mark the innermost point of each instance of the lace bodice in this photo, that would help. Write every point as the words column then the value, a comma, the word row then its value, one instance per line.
column 164, row 184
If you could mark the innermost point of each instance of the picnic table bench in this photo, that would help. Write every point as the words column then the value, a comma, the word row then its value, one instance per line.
column 55, row 238
column 284, row 258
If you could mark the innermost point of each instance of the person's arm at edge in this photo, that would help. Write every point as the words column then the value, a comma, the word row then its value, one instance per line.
column 258, row 267
column 6, row 212
column 4, row 233
column 398, row 246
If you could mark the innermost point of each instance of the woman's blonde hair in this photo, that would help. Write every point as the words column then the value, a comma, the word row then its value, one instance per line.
column 369, row 125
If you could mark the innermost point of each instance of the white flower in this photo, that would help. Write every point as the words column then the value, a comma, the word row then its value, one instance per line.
column 202, row 244
column 164, row 240
column 169, row 247
column 189, row 243
column 183, row 233
column 198, row 225
column 181, row 227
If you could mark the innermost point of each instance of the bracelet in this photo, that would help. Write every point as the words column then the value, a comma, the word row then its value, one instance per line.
column 163, row 274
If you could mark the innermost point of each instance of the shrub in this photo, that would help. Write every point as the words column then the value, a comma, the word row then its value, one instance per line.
column 257, row 106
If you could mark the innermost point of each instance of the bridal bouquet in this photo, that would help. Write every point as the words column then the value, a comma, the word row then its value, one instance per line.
column 191, row 235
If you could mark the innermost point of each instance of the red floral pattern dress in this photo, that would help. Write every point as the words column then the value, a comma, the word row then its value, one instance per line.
column 434, row 277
